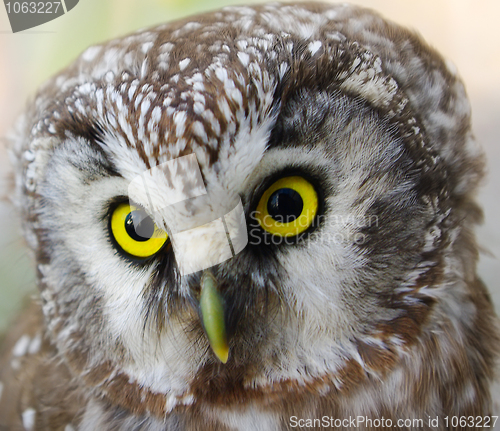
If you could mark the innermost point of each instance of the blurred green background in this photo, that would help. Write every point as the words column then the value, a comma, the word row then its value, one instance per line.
column 465, row 31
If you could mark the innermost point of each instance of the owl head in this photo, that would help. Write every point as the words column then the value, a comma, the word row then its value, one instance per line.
column 324, row 168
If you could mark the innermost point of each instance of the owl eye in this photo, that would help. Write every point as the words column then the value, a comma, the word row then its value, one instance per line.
column 135, row 232
column 288, row 207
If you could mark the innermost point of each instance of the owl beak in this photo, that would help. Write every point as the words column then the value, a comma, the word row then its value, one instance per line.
column 212, row 316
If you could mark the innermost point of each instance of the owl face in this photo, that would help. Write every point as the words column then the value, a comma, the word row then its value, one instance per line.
column 337, row 143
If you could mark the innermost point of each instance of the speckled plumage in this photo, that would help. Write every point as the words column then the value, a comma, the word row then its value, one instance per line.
column 376, row 312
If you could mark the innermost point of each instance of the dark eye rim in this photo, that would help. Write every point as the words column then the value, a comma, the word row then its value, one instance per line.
column 135, row 260
column 318, row 184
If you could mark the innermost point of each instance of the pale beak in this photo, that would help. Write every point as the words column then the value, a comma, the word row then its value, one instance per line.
column 213, row 316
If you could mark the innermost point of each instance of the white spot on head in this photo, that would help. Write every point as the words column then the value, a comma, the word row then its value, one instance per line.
column 190, row 26
column 199, row 131
column 221, row 74
column 69, row 427
column 146, row 47
column 242, row 44
column 236, row 96
column 314, row 47
column 198, row 86
column 244, row 58
column 180, row 118
column 91, row 53
column 330, row 14
column 145, row 107
column 451, row 67
column 337, row 36
column 306, row 30
column 29, row 155
column 184, row 63
column 214, row 123
column 167, row 47
column 283, row 69
column 29, row 416
column 131, row 91
column 144, row 68
column 156, row 114
column 109, row 77
column 370, row 86
column 198, row 108
column 34, row 346
column 22, row 345
column 198, row 97
column 377, row 65
column 86, row 88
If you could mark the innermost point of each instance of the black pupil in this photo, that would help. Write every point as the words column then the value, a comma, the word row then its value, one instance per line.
column 144, row 226
column 285, row 205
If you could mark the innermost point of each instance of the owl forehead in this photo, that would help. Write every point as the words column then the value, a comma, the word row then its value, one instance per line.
column 203, row 99
column 212, row 40
column 163, row 110
column 176, row 118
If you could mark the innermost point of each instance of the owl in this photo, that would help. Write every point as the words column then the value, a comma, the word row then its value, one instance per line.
column 258, row 218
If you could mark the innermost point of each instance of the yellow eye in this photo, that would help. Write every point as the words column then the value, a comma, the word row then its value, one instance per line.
column 288, row 207
column 135, row 232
